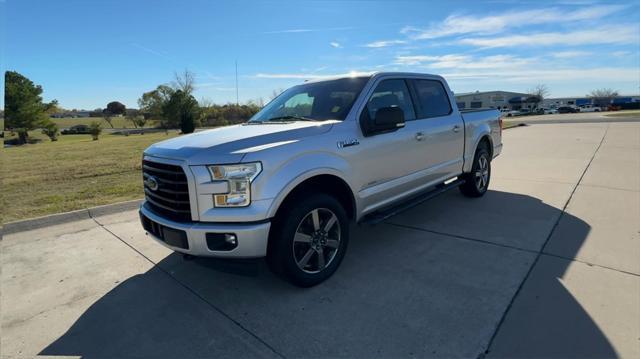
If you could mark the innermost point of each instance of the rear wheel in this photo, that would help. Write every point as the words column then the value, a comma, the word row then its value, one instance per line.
column 477, row 181
column 309, row 240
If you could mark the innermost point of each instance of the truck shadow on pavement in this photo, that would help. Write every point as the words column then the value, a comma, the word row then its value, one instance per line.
column 400, row 292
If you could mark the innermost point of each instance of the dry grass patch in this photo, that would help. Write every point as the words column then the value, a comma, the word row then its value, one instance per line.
column 72, row 173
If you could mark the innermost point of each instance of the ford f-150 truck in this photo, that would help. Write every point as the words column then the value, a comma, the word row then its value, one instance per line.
column 287, row 183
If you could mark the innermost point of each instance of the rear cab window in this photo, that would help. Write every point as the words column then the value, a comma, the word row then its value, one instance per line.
column 432, row 99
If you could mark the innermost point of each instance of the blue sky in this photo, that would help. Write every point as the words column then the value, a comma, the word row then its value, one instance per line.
column 87, row 53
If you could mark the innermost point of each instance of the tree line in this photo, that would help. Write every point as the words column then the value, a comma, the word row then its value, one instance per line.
column 173, row 106
column 169, row 106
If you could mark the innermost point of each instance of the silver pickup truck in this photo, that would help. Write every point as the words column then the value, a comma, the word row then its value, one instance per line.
column 287, row 183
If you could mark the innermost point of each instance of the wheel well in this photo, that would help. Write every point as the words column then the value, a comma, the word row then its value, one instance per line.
column 328, row 184
column 486, row 142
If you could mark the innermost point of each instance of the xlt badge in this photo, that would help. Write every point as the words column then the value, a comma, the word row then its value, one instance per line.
column 348, row 143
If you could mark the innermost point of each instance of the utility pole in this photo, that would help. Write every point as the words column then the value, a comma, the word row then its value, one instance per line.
column 237, row 101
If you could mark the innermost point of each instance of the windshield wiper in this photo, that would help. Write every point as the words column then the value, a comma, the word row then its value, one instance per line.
column 294, row 118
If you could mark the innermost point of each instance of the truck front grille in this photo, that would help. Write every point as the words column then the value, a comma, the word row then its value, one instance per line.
column 170, row 197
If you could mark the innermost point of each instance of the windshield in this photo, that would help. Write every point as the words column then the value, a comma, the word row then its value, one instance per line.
column 317, row 101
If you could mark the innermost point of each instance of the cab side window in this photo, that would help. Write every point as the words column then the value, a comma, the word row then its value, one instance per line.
column 391, row 93
column 433, row 100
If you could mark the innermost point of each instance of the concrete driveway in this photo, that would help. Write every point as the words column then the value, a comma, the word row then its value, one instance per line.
column 579, row 117
column 547, row 264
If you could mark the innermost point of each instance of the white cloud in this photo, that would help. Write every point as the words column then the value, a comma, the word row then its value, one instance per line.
column 309, row 76
column 621, row 53
column 457, row 61
column 384, row 43
column 603, row 74
column 335, row 45
column 151, row 51
column 500, row 69
column 619, row 34
column 570, row 54
column 466, row 24
column 414, row 59
column 523, row 75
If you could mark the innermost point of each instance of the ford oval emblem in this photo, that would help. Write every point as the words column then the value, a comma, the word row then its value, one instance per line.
column 152, row 183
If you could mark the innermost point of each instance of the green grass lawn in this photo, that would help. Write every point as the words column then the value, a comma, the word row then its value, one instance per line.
column 72, row 173
column 624, row 113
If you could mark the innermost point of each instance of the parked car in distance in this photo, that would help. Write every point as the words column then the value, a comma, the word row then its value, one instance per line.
column 567, row 109
column 75, row 130
column 590, row 108
column 520, row 112
column 287, row 183
column 549, row 111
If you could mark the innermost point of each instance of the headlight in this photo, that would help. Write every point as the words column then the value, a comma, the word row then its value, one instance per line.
column 239, row 178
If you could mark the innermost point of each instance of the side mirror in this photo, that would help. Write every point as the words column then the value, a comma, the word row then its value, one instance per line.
column 388, row 119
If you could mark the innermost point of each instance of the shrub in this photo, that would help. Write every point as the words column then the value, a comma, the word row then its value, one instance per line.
column 50, row 129
column 95, row 130
column 183, row 109
column 138, row 121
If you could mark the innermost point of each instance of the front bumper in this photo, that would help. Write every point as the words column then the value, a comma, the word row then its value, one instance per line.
column 252, row 237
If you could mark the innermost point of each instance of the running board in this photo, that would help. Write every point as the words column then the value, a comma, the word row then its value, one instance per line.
column 380, row 215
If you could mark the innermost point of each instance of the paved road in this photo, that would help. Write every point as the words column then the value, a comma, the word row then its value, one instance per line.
column 546, row 264
column 585, row 117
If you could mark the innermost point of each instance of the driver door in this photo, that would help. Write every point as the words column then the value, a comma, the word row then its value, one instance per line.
column 388, row 162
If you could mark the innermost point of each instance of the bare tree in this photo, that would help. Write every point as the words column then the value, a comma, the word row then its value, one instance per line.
column 603, row 93
column 205, row 102
column 537, row 94
column 275, row 93
column 603, row 96
column 540, row 90
column 185, row 81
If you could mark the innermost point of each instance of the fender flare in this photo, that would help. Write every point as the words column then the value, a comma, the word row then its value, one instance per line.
column 482, row 132
column 324, row 164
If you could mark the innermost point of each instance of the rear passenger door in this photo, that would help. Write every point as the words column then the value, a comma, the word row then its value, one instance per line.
column 440, row 131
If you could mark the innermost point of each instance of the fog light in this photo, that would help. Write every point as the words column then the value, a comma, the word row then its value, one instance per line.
column 231, row 239
column 221, row 241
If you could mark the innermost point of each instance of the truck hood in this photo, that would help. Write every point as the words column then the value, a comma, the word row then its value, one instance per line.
column 230, row 144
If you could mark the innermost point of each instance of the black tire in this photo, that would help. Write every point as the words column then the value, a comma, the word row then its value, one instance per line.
column 477, row 181
column 286, row 256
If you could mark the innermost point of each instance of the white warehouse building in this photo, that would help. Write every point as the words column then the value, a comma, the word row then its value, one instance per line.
column 495, row 99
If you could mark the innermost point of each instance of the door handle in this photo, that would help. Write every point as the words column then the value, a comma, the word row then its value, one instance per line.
column 419, row 136
column 456, row 128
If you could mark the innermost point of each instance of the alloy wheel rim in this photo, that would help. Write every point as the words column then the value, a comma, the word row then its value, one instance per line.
column 482, row 173
column 316, row 240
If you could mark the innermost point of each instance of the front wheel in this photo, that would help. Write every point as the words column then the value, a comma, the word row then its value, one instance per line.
column 477, row 181
column 309, row 240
